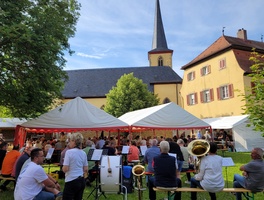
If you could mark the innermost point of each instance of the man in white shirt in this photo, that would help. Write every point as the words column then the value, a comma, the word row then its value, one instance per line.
column 33, row 182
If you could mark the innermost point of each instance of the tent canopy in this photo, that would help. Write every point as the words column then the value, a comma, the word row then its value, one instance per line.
column 244, row 137
column 75, row 115
column 226, row 122
column 165, row 116
column 11, row 122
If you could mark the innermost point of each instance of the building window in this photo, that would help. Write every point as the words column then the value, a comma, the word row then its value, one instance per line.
column 207, row 96
column 205, row 70
column 222, row 64
column 225, row 92
column 160, row 61
column 192, row 99
column 191, row 76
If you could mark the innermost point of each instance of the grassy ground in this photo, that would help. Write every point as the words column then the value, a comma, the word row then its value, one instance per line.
column 228, row 173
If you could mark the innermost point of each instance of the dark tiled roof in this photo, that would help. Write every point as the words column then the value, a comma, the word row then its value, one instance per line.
column 89, row 83
column 225, row 43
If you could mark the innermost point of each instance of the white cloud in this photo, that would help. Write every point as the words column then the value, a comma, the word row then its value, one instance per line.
column 118, row 33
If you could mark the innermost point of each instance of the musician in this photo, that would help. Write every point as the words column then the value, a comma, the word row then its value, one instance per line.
column 165, row 170
column 210, row 176
column 253, row 173
column 75, row 166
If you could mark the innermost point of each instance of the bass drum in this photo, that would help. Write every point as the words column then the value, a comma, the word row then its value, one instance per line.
column 110, row 174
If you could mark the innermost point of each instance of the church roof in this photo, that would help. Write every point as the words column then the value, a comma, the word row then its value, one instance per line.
column 94, row 83
column 241, row 48
column 159, row 42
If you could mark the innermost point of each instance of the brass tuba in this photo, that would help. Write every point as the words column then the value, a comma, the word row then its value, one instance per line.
column 198, row 148
column 138, row 171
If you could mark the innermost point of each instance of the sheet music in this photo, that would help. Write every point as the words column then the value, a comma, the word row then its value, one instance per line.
column 50, row 152
column 143, row 149
column 125, row 149
column 227, row 161
column 97, row 154
column 174, row 155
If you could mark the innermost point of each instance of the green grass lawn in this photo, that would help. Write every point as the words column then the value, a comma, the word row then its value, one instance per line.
column 238, row 158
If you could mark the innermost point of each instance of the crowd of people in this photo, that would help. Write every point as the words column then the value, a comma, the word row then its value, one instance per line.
column 164, row 170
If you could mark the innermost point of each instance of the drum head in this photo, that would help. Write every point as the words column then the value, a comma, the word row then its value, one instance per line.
column 110, row 174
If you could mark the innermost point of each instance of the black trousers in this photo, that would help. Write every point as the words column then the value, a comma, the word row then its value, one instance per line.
column 74, row 189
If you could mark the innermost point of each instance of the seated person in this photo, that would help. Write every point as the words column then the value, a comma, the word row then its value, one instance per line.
column 210, row 176
column 253, row 173
column 165, row 170
column 33, row 182
column 133, row 152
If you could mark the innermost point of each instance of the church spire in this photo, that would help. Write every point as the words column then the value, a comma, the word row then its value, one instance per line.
column 160, row 55
column 159, row 39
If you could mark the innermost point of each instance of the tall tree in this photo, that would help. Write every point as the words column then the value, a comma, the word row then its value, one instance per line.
column 254, row 98
column 129, row 94
column 33, row 39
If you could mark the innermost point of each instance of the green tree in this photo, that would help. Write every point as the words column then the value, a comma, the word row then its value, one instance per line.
column 129, row 94
column 254, row 98
column 33, row 39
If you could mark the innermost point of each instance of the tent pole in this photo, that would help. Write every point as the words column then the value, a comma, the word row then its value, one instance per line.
column 118, row 137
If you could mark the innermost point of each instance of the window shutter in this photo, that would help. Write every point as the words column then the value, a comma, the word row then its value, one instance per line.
column 195, row 98
column 231, row 91
column 201, row 71
column 218, row 94
column 188, row 100
column 202, row 97
column 193, row 74
column 209, row 69
column 211, row 94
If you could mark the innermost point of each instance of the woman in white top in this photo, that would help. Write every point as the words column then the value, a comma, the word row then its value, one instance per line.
column 210, row 177
column 75, row 165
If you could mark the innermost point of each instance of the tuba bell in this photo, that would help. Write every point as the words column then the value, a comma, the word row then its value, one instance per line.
column 138, row 170
column 198, row 148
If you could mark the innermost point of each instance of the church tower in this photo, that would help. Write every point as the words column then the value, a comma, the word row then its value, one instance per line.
column 160, row 55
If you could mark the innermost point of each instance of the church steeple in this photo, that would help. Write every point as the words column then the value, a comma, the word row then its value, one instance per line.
column 160, row 55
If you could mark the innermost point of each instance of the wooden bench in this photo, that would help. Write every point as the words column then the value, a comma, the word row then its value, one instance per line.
column 7, row 178
column 170, row 191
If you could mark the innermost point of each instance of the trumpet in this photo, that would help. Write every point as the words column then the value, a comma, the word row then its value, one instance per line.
column 198, row 148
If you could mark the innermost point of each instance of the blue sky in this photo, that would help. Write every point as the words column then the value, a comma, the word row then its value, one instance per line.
column 118, row 33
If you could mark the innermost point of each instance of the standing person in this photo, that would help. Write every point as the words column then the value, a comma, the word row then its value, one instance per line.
column 210, row 176
column 75, row 166
column 185, row 166
column 33, row 182
column 165, row 170
column 175, row 149
column 253, row 173
column 8, row 165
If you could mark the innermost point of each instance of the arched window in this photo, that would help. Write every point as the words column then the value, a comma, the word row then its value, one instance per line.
column 160, row 61
column 166, row 100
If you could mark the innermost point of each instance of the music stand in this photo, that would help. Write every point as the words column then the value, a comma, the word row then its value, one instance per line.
column 48, row 157
column 125, row 150
column 227, row 162
column 143, row 149
column 95, row 155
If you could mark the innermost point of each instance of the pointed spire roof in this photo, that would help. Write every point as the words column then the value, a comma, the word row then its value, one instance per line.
column 159, row 42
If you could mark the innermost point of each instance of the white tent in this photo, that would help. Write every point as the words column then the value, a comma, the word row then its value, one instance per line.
column 245, row 137
column 165, row 116
column 74, row 115
column 10, row 123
